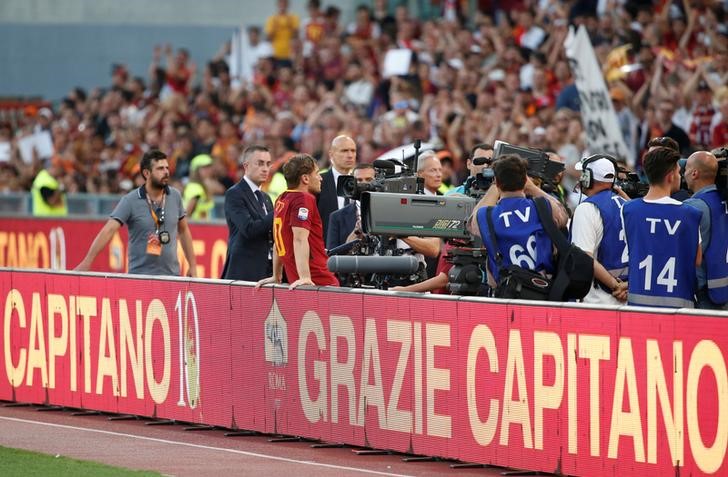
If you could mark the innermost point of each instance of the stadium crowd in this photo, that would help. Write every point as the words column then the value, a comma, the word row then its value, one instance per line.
column 497, row 74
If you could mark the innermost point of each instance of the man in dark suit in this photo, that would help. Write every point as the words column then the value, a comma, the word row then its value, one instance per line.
column 344, row 224
column 342, row 155
column 249, row 216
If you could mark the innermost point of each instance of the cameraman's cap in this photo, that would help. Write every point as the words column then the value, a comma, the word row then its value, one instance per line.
column 602, row 169
column 201, row 160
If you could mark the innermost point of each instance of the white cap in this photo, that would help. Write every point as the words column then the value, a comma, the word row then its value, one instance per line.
column 602, row 169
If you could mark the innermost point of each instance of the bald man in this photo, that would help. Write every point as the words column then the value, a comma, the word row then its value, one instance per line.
column 701, row 169
column 342, row 155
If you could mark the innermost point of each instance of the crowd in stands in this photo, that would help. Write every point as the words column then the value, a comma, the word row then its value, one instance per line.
column 474, row 77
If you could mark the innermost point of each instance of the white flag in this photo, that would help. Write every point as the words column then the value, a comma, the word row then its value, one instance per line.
column 597, row 113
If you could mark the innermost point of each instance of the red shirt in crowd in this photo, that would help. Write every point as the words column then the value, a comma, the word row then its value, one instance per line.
column 720, row 135
column 298, row 209
column 700, row 125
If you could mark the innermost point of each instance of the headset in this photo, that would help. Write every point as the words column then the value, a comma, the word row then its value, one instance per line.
column 586, row 181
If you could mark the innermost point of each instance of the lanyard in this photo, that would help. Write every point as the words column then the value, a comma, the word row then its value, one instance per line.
column 158, row 220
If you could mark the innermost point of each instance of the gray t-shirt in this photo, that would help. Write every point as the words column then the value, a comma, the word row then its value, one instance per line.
column 133, row 210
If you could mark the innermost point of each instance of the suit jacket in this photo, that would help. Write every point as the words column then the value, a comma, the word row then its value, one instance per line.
column 327, row 199
column 341, row 224
column 249, row 234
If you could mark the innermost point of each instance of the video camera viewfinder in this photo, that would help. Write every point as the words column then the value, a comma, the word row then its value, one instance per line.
column 539, row 164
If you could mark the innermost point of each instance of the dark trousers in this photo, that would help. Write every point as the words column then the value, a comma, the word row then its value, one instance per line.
column 705, row 303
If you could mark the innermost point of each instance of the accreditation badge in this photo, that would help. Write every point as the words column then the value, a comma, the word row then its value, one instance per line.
column 154, row 247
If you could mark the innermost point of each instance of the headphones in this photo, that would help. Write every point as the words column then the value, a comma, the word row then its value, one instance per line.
column 586, row 181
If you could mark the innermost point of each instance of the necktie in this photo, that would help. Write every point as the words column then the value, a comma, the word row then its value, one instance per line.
column 259, row 196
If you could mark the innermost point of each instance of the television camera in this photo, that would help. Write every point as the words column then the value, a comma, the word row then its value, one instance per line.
column 631, row 184
column 393, row 205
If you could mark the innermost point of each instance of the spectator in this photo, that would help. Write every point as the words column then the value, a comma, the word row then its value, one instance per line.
column 281, row 28
column 313, row 28
column 719, row 132
column 662, row 125
column 463, row 87
column 180, row 72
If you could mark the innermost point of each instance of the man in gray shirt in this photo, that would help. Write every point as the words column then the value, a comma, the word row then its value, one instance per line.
column 155, row 217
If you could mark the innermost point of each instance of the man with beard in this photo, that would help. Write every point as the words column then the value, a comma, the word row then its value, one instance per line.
column 155, row 217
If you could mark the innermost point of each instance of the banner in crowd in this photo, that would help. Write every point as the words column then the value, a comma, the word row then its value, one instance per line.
column 61, row 244
column 597, row 112
column 570, row 390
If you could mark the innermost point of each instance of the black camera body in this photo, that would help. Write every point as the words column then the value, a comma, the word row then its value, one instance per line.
column 391, row 176
column 476, row 186
column 632, row 185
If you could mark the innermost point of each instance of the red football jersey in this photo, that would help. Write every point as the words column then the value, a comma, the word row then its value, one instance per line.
column 298, row 209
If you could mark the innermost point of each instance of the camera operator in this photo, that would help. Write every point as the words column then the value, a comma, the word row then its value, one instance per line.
column 480, row 159
column 596, row 228
column 700, row 172
column 345, row 224
column 521, row 237
column 663, row 238
column 555, row 189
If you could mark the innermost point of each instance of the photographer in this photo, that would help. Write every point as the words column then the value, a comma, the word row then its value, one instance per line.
column 521, row 237
column 597, row 229
column 700, row 172
column 480, row 159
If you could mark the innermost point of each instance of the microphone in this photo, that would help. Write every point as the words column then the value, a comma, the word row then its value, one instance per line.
column 402, row 265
